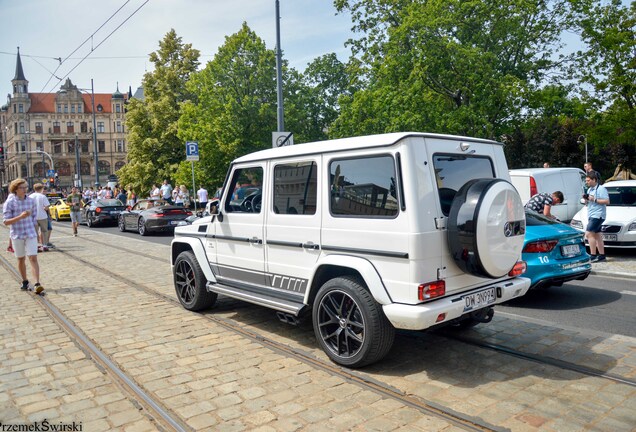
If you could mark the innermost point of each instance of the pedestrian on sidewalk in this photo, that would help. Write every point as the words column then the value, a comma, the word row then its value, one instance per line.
column 202, row 194
column 74, row 200
column 42, row 216
column 19, row 214
column 10, row 247
column 597, row 199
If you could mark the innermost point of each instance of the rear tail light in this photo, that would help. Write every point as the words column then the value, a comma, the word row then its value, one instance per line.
column 533, row 187
column 519, row 269
column 540, row 246
column 157, row 215
column 98, row 210
column 431, row 290
column 189, row 213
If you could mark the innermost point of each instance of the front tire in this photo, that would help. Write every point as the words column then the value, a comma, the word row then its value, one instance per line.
column 141, row 228
column 189, row 283
column 349, row 324
column 121, row 223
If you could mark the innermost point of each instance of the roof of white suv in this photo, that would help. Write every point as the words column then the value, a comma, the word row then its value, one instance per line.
column 380, row 140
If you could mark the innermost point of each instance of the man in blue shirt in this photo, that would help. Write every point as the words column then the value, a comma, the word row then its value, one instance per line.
column 597, row 200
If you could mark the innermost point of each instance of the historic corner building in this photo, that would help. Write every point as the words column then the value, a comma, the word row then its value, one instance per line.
column 38, row 130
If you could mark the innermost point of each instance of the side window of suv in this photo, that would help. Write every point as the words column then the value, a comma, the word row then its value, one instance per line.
column 363, row 187
column 295, row 188
column 245, row 191
column 452, row 171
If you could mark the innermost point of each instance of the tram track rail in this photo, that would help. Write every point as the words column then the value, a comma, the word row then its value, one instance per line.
column 162, row 416
column 457, row 419
column 454, row 335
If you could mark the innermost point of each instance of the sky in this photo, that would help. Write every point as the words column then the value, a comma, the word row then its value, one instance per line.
column 46, row 29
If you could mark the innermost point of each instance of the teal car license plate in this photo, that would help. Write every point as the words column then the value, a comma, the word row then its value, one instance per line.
column 570, row 250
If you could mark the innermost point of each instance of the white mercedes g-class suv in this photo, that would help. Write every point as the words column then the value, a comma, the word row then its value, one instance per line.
column 368, row 234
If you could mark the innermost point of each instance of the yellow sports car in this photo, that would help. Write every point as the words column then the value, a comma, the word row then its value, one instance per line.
column 59, row 210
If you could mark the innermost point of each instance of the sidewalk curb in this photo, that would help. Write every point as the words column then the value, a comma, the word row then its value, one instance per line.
column 613, row 273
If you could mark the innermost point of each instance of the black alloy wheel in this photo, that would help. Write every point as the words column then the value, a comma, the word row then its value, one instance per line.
column 349, row 324
column 189, row 283
column 121, row 223
column 141, row 227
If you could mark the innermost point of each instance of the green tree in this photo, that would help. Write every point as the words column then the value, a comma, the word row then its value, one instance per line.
column 455, row 66
column 233, row 108
column 154, row 147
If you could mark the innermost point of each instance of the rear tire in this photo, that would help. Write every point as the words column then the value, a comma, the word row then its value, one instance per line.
column 56, row 216
column 189, row 283
column 349, row 324
column 89, row 221
column 121, row 223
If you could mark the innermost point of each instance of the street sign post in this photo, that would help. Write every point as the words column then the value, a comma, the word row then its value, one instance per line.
column 192, row 154
column 281, row 139
column 50, row 173
column 192, row 151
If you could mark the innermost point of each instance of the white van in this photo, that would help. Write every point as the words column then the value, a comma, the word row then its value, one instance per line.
column 570, row 181
column 365, row 235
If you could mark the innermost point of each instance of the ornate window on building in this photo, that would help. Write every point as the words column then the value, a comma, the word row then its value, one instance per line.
column 23, row 146
column 59, row 108
column 100, row 127
column 104, row 167
column 101, row 146
column 71, row 147
column 120, row 146
column 72, row 108
column 39, row 145
column 56, row 127
column 40, row 169
column 79, row 108
column 57, row 147
column 70, row 127
column 20, row 108
column 38, row 128
column 85, row 168
column 118, row 127
column 21, row 127
column 84, row 146
column 63, row 168
column 83, row 127
column 117, row 108
column 119, row 165
column 65, row 109
column 23, row 171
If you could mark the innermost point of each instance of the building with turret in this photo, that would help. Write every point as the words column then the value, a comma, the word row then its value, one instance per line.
column 79, row 137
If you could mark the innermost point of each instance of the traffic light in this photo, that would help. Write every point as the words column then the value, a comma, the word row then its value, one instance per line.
column 52, row 180
column 1, row 151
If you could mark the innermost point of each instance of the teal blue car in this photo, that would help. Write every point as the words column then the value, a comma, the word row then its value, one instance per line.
column 554, row 252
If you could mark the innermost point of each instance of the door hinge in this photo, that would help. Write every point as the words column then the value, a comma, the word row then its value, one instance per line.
column 440, row 223
column 441, row 273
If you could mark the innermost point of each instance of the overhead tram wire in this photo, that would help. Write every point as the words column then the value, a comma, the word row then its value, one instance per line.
column 61, row 62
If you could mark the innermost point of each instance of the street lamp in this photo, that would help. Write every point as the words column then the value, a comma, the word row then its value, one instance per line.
column 96, row 158
column 583, row 139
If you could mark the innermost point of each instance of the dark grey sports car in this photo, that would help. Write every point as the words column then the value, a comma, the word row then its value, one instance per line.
column 147, row 216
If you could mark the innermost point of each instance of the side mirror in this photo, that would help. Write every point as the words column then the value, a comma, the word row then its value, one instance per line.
column 219, row 216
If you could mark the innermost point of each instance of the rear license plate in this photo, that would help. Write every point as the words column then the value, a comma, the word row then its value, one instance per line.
column 610, row 237
column 570, row 250
column 174, row 222
column 479, row 299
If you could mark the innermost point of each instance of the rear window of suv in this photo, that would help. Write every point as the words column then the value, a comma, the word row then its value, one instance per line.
column 363, row 187
column 452, row 171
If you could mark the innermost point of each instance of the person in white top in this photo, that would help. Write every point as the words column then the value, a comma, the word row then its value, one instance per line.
column 155, row 193
column 166, row 191
column 202, row 194
column 42, row 215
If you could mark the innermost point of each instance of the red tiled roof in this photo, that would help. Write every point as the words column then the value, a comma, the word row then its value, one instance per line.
column 45, row 102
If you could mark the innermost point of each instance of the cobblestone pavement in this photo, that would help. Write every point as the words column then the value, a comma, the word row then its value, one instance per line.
column 214, row 378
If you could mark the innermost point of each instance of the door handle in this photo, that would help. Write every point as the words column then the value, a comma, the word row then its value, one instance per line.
column 255, row 240
column 310, row 245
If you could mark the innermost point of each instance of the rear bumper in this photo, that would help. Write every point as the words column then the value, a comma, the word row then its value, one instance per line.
column 558, row 280
column 423, row 316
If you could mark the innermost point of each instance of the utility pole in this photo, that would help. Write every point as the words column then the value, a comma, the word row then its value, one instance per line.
column 279, row 74
column 96, row 158
column 78, row 175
